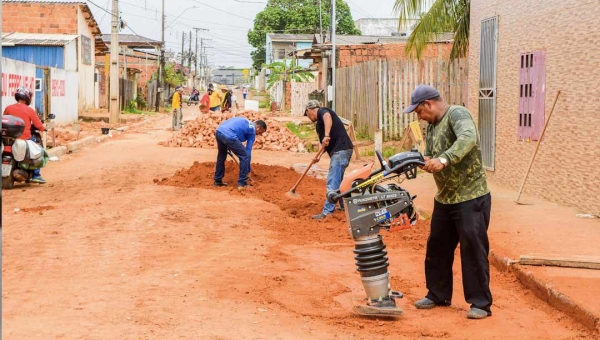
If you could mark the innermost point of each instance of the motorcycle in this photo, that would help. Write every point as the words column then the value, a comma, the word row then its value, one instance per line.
column 12, row 170
column 193, row 99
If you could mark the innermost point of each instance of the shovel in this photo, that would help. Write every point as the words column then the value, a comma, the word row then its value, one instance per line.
column 238, row 164
column 292, row 193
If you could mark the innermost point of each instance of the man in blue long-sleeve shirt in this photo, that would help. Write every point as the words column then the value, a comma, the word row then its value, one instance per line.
column 230, row 136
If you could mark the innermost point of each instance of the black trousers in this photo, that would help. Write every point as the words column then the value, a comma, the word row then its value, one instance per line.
column 467, row 223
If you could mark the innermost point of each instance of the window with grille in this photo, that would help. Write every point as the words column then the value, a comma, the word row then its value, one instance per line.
column 281, row 53
column 532, row 95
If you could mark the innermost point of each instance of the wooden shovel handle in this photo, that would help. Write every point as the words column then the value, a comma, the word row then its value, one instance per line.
column 312, row 161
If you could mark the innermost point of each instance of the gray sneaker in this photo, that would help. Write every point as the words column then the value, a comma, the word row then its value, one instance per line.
column 319, row 216
column 476, row 313
column 424, row 303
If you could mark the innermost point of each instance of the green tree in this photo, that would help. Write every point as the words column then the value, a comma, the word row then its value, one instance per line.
column 444, row 16
column 174, row 75
column 287, row 72
column 296, row 17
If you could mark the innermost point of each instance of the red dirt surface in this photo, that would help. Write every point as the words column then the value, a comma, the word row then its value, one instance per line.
column 323, row 296
column 121, row 257
column 39, row 209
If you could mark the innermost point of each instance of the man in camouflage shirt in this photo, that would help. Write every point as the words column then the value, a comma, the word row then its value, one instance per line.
column 462, row 204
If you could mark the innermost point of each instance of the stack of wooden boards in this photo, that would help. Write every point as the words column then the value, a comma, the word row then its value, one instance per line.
column 200, row 133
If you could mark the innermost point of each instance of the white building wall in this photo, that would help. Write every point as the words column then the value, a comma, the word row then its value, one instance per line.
column 87, row 88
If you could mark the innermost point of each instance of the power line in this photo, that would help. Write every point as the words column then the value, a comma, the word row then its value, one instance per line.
column 102, row 8
column 218, row 9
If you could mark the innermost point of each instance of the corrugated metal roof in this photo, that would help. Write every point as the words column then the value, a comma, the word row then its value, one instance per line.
column 39, row 39
column 132, row 39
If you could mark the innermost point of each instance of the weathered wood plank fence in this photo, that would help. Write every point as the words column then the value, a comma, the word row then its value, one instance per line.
column 373, row 94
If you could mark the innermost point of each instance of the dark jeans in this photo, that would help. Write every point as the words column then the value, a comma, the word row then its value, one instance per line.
column 215, row 108
column 36, row 172
column 467, row 223
column 337, row 167
column 233, row 144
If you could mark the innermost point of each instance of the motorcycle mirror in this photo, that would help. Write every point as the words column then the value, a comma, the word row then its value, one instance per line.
column 51, row 116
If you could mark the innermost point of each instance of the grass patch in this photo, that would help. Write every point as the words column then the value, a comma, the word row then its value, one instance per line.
column 387, row 152
column 302, row 131
column 264, row 104
column 362, row 134
column 134, row 111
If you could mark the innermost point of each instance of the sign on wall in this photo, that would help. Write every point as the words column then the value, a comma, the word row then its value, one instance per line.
column 15, row 74
column 86, row 50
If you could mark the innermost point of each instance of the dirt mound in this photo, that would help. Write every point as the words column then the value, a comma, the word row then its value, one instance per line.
column 201, row 133
column 270, row 184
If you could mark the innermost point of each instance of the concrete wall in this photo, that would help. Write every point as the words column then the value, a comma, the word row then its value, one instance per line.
column 382, row 27
column 567, row 167
column 87, row 88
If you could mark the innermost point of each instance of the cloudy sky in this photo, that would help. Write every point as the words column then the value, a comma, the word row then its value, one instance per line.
column 227, row 20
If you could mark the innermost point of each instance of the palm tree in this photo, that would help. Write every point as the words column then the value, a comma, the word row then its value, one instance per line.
column 444, row 16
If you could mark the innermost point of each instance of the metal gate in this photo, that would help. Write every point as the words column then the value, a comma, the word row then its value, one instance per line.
column 488, row 58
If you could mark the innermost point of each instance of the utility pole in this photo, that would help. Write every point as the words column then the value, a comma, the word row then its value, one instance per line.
column 182, row 49
column 190, row 53
column 196, row 55
column 321, row 23
column 114, row 65
column 161, row 68
column 333, row 49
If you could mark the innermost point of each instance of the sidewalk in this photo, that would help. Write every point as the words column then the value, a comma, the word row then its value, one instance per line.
column 542, row 227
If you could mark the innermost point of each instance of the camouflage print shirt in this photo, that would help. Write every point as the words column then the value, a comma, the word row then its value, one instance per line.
column 456, row 138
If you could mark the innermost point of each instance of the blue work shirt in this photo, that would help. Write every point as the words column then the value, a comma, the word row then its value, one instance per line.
column 239, row 128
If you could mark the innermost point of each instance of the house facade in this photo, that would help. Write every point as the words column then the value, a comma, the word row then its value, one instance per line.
column 521, row 54
column 279, row 46
column 72, row 40
column 139, row 58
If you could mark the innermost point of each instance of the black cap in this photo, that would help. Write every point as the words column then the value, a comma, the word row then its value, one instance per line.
column 419, row 95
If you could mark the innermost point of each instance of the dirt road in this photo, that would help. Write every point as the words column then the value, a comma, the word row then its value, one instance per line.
column 104, row 252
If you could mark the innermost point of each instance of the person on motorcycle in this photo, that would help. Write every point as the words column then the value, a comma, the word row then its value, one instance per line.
column 22, row 110
column 195, row 94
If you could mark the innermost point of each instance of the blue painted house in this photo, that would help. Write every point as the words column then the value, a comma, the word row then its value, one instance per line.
column 62, row 35
column 43, row 50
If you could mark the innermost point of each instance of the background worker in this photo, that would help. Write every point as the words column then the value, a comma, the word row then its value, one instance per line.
column 230, row 136
column 462, row 205
column 177, row 105
column 205, row 101
column 216, row 97
column 21, row 109
column 333, row 135
column 235, row 107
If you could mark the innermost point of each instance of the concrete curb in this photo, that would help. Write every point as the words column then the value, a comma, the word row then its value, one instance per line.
column 82, row 143
column 544, row 291
column 57, row 151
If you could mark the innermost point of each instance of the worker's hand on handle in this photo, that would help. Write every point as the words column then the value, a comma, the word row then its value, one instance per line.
column 426, row 158
column 433, row 165
column 326, row 141
column 319, row 153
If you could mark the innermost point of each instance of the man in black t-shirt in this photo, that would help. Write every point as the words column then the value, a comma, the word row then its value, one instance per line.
column 338, row 145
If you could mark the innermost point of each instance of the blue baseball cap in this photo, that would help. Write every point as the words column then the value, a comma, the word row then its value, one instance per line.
column 419, row 95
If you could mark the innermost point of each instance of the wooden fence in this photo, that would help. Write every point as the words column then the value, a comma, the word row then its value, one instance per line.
column 373, row 94
column 127, row 92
